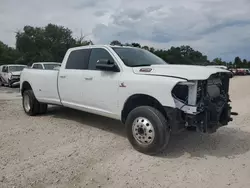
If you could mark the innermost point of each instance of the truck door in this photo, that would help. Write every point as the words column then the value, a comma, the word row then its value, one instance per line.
column 71, row 80
column 101, row 87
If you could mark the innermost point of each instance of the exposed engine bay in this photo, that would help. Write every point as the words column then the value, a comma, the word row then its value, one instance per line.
column 204, row 104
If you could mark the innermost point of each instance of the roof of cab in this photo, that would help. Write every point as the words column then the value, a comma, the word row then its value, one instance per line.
column 98, row 46
column 46, row 62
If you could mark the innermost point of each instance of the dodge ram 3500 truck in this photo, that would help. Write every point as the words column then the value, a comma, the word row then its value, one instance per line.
column 151, row 97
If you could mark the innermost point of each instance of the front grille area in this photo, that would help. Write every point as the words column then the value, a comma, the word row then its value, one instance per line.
column 213, row 108
column 214, row 87
column 201, row 89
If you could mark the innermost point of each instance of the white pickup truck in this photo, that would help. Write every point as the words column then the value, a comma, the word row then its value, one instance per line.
column 152, row 98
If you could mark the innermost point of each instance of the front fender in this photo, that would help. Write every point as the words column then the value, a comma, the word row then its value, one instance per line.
column 157, row 87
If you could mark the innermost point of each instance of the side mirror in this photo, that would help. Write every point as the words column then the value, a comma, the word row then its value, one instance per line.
column 107, row 65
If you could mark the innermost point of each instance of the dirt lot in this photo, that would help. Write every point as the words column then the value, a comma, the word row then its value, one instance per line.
column 68, row 148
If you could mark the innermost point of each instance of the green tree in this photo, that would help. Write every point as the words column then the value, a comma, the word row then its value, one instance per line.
column 230, row 65
column 244, row 63
column 237, row 62
column 48, row 43
column 145, row 48
column 136, row 45
column 151, row 49
column 192, row 55
column 8, row 55
column 218, row 61
column 116, row 43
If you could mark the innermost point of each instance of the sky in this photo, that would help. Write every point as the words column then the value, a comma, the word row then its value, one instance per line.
column 217, row 28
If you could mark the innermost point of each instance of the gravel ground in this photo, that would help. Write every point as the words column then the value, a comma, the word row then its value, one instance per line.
column 67, row 148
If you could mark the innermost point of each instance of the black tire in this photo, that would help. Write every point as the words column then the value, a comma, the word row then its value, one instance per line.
column 43, row 108
column 191, row 128
column 1, row 82
column 9, row 84
column 158, row 122
column 35, row 106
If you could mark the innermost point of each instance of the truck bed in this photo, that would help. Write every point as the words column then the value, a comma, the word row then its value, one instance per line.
column 44, row 84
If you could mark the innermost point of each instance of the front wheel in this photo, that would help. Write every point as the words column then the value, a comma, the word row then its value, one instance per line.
column 147, row 130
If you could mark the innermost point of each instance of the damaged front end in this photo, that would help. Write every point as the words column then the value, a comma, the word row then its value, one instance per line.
column 204, row 104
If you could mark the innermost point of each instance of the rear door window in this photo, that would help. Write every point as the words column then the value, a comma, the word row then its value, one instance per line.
column 39, row 66
column 78, row 59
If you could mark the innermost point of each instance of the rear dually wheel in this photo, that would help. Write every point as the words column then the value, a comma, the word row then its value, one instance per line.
column 31, row 105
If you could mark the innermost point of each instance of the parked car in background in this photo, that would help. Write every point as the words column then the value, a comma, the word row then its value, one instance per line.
column 10, row 74
column 45, row 65
column 241, row 72
column 247, row 71
column 152, row 98
column 233, row 71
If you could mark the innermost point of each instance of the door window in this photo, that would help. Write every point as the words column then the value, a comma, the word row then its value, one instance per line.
column 97, row 54
column 78, row 59
column 5, row 69
column 39, row 66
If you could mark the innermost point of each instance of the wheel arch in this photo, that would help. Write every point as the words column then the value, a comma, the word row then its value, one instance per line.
column 25, row 86
column 136, row 100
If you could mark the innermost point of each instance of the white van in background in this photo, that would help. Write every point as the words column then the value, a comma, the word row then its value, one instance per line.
column 45, row 65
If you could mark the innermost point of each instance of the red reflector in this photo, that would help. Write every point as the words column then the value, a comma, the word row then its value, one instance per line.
column 145, row 70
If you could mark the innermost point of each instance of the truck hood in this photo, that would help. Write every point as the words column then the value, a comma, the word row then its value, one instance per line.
column 188, row 72
column 16, row 73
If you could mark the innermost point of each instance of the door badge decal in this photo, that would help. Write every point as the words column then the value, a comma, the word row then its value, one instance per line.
column 122, row 85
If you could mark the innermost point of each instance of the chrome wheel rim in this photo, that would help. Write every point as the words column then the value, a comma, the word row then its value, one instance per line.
column 26, row 103
column 143, row 131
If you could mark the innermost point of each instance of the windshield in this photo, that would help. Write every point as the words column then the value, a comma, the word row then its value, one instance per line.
column 51, row 66
column 16, row 68
column 134, row 57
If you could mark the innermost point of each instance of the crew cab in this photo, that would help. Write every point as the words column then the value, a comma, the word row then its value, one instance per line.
column 45, row 65
column 10, row 74
column 151, row 97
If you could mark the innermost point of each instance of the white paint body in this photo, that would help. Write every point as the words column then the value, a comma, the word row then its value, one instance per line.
column 218, row 66
column 99, row 92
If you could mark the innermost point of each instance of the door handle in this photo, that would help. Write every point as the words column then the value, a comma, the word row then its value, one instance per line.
column 63, row 76
column 88, row 78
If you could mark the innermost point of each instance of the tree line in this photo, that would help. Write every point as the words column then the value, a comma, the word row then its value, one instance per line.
column 51, row 42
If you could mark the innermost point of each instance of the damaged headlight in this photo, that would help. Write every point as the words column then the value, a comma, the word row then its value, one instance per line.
column 186, row 92
column 185, row 96
column 14, row 76
column 180, row 91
